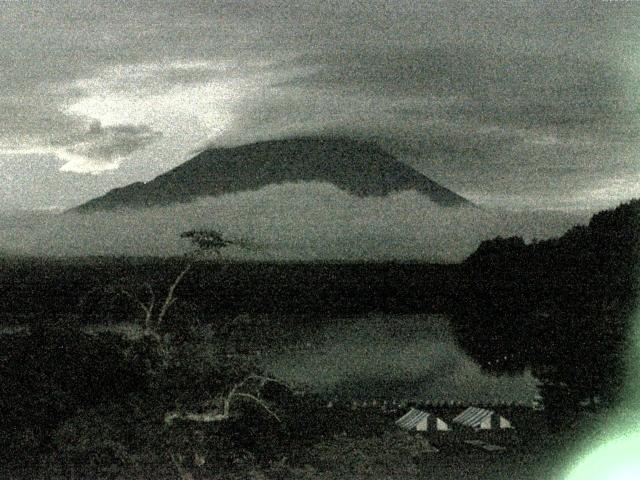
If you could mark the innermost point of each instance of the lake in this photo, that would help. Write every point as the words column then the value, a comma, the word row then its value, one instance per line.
column 391, row 356
column 375, row 356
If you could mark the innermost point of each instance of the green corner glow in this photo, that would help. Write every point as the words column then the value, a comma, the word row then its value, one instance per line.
column 616, row 460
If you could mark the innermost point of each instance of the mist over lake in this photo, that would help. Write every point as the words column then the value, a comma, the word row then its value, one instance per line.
column 305, row 221
column 393, row 356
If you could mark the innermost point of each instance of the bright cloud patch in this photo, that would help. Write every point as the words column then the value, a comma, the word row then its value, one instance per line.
column 153, row 96
column 94, row 150
column 187, row 102
column 122, row 109
column 103, row 148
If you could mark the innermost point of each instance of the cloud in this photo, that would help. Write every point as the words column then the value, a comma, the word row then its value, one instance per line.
column 103, row 148
column 186, row 101
column 95, row 150
column 293, row 221
column 516, row 126
column 94, row 123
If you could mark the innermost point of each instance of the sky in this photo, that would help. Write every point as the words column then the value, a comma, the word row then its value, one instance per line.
column 522, row 106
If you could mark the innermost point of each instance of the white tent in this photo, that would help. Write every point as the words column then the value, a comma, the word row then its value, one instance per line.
column 481, row 419
column 421, row 422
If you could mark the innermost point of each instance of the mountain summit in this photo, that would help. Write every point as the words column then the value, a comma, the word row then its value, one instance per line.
column 359, row 167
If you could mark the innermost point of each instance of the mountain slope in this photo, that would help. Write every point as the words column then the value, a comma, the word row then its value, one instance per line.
column 361, row 168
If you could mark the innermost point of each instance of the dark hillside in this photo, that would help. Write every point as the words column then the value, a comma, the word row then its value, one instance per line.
column 361, row 168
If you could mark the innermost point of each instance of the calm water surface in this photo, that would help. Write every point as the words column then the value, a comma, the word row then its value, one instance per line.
column 399, row 356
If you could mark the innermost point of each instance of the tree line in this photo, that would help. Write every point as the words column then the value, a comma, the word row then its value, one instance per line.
column 561, row 308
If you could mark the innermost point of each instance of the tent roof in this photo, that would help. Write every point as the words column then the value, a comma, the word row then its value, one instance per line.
column 413, row 417
column 474, row 416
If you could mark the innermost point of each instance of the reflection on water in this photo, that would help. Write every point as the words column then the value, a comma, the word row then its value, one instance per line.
column 399, row 356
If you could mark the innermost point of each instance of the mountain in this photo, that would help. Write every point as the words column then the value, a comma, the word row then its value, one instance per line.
column 359, row 167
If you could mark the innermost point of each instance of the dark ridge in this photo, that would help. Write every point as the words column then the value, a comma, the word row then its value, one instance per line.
column 359, row 167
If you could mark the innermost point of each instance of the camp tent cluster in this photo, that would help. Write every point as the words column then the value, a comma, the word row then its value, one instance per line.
column 473, row 417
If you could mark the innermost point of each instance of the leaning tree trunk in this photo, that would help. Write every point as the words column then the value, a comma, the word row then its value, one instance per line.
column 170, row 298
column 220, row 416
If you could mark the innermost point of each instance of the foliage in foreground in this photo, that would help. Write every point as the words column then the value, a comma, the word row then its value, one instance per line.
column 102, row 416
column 100, row 399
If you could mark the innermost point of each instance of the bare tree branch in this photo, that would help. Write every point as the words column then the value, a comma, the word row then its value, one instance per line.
column 169, row 299
column 152, row 303
column 264, row 380
column 260, row 402
column 148, row 309
column 206, row 417
column 215, row 415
